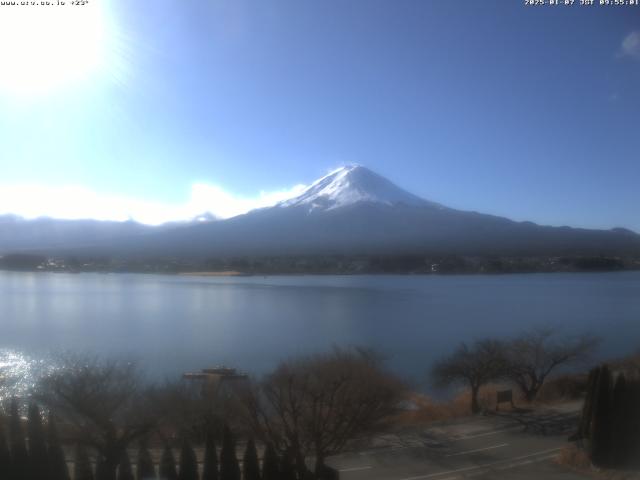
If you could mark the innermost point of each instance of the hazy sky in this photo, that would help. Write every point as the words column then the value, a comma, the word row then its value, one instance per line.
column 160, row 108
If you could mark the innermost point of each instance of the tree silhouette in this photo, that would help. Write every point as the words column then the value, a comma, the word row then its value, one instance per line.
column 5, row 454
column 475, row 365
column 103, row 402
column 250, row 464
column 533, row 355
column 38, row 460
column 188, row 462
column 145, row 469
column 103, row 472
column 314, row 406
column 270, row 464
column 210, row 469
column 168, row 465
column 287, row 471
column 611, row 418
column 619, row 422
column 584, row 428
column 229, row 468
column 58, row 469
column 125, row 472
column 601, row 421
column 82, row 469
column 19, row 456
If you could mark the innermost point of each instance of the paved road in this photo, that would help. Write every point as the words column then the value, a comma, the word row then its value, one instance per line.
column 513, row 446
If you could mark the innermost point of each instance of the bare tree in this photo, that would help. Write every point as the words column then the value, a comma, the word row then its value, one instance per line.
column 101, row 400
column 476, row 365
column 191, row 409
column 533, row 355
column 314, row 406
column 180, row 408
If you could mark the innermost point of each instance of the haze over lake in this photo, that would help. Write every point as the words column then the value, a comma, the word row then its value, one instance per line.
column 173, row 324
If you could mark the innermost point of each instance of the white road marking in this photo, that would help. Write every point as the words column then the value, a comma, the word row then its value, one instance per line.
column 485, row 465
column 493, row 432
column 501, row 467
column 355, row 469
column 478, row 450
column 395, row 448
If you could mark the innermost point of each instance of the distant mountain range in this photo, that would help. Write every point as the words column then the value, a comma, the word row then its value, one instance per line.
column 350, row 211
column 19, row 234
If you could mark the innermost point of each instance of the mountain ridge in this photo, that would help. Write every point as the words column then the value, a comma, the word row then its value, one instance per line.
column 351, row 211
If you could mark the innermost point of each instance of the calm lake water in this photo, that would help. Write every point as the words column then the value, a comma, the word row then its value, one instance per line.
column 173, row 324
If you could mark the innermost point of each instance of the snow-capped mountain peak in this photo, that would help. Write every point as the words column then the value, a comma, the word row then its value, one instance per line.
column 353, row 184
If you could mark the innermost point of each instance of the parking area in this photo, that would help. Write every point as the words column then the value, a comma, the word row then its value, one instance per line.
column 514, row 445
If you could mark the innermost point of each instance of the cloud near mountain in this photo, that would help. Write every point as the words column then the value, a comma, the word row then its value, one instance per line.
column 74, row 202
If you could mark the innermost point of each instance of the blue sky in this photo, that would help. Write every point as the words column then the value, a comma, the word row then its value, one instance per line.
column 175, row 105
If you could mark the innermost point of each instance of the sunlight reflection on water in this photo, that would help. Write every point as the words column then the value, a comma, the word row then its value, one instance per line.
column 20, row 372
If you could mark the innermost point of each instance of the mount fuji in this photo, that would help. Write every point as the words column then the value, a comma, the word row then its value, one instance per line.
column 350, row 185
column 354, row 211
column 351, row 211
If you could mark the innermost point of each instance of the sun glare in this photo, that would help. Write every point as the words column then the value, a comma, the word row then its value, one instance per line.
column 47, row 47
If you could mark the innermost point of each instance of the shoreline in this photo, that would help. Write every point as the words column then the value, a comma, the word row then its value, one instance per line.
column 235, row 273
column 225, row 273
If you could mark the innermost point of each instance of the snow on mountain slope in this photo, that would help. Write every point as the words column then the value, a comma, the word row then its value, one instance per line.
column 353, row 184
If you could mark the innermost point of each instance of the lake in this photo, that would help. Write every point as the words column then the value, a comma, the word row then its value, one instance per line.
column 173, row 324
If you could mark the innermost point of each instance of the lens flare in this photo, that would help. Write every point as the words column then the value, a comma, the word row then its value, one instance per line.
column 45, row 46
